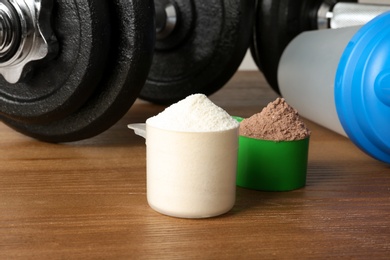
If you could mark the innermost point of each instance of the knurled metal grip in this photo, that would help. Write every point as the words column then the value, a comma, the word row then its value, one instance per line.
column 348, row 14
column 25, row 35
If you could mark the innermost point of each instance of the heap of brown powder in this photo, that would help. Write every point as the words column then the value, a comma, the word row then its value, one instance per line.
column 277, row 122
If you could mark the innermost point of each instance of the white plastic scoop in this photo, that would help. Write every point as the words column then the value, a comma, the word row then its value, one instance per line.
column 190, row 174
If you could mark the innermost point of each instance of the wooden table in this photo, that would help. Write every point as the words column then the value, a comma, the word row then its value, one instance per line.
column 88, row 199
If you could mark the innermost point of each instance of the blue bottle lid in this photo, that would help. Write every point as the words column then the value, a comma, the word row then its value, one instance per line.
column 362, row 88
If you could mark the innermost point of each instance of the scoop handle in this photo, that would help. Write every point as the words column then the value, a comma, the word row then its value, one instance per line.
column 139, row 129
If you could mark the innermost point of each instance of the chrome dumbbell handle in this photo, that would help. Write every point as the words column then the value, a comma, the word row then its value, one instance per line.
column 348, row 14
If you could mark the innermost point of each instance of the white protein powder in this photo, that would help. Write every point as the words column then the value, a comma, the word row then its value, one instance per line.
column 196, row 113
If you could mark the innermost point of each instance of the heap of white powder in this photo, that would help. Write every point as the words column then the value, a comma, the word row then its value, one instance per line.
column 196, row 113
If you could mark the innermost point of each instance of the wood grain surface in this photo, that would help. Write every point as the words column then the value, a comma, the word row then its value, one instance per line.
column 87, row 200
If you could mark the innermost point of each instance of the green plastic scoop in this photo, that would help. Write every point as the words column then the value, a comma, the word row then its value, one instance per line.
column 270, row 165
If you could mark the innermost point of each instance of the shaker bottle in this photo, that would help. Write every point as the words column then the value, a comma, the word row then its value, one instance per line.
column 340, row 79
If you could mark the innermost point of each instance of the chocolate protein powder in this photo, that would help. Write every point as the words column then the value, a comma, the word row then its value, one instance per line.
column 276, row 122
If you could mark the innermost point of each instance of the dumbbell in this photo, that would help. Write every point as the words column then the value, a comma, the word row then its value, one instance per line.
column 71, row 69
column 277, row 23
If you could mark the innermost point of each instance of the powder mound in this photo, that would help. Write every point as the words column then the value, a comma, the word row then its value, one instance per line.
column 276, row 122
column 195, row 113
